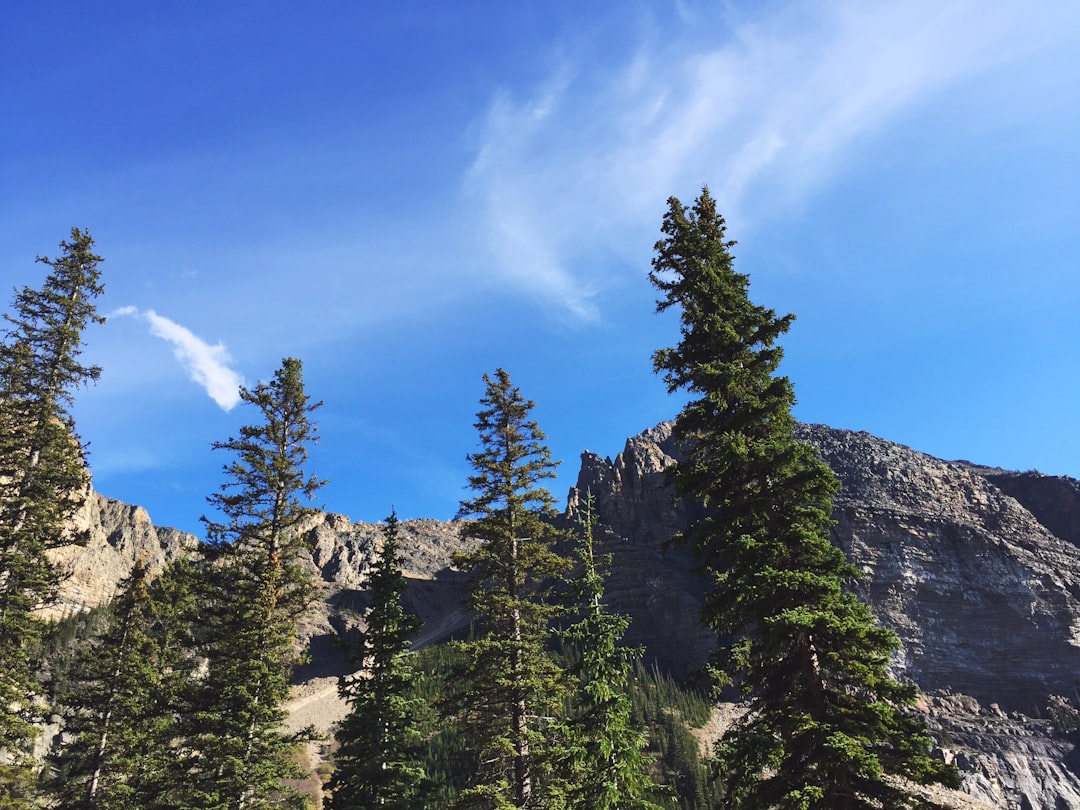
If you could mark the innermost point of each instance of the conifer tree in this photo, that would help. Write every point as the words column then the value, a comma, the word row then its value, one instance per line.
column 379, row 744
column 42, row 476
column 174, row 617
column 827, row 726
column 127, row 691
column 514, row 685
column 603, row 752
column 238, row 752
column 116, row 730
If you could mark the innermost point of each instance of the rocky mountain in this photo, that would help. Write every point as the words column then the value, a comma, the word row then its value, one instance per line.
column 118, row 535
column 976, row 569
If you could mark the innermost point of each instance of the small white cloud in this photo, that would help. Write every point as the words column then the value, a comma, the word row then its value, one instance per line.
column 123, row 312
column 207, row 365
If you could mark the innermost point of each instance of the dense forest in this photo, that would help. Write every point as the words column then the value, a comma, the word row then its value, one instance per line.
column 173, row 695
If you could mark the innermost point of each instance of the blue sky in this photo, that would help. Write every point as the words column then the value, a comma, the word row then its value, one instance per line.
column 408, row 195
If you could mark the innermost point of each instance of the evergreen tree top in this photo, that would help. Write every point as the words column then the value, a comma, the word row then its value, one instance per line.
column 266, row 481
column 724, row 334
column 513, row 461
column 44, row 335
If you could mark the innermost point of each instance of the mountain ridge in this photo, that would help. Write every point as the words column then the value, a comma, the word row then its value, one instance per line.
column 966, row 564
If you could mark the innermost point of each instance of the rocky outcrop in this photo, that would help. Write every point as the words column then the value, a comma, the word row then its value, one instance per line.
column 1008, row 760
column 650, row 579
column 631, row 495
column 967, row 565
column 984, row 597
column 1053, row 500
column 118, row 535
column 341, row 552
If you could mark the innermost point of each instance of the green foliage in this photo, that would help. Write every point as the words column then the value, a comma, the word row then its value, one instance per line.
column 601, row 753
column 446, row 756
column 175, row 615
column 668, row 712
column 827, row 725
column 379, row 741
column 42, row 476
column 62, row 643
column 117, row 676
column 109, row 709
column 661, row 710
column 514, row 686
column 237, row 755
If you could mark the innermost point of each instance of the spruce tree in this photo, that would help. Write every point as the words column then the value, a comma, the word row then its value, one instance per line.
column 174, row 617
column 126, row 693
column 379, row 744
column 115, row 730
column 826, row 727
column 603, row 753
column 238, row 752
column 513, row 683
column 42, row 477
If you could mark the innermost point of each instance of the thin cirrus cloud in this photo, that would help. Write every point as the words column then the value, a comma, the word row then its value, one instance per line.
column 206, row 364
column 766, row 112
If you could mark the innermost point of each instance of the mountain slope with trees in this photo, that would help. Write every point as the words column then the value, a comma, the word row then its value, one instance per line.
column 179, row 694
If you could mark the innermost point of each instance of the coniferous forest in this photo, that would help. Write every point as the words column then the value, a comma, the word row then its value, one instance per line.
column 173, row 695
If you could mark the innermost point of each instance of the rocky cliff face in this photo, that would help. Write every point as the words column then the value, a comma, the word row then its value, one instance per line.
column 650, row 579
column 976, row 570
column 985, row 598
column 119, row 535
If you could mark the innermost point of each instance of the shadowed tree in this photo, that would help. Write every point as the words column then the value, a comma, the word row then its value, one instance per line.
column 826, row 727
column 120, row 711
column 602, row 753
column 379, row 744
column 42, row 478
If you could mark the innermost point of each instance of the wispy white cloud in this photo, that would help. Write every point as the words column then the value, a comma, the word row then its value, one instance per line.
column 206, row 364
column 527, row 255
column 767, row 111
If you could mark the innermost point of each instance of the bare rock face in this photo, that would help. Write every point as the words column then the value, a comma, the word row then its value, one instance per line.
column 984, row 597
column 650, row 579
column 342, row 551
column 119, row 536
column 976, row 570
column 1053, row 500
column 630, row 493
column 1007, row 760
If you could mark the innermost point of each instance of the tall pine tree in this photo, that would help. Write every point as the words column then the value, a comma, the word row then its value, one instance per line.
column 827, row 726
column 379, row 744
column 603, row 754
column 513, row 681
column 238, row 752
column 42, row 476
